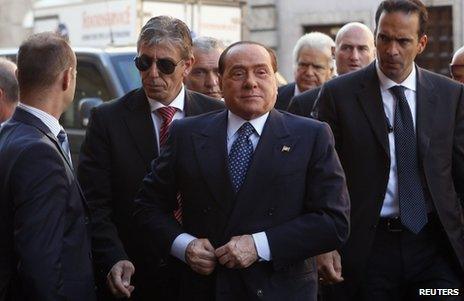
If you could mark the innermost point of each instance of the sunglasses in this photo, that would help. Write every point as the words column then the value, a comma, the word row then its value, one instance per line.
column 165, row 66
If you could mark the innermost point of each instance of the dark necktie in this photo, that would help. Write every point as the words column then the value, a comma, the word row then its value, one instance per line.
column 240, row 155
column 167, row 113
column 413, row 210
column 63, row 139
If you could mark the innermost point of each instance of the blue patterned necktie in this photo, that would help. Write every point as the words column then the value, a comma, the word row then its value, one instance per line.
column 63, row 139
column 413, row 210
column 240, row 155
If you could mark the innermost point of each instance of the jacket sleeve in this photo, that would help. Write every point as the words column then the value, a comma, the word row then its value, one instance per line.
column 41, row 190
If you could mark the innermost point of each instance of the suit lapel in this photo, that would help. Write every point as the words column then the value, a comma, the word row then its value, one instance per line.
column 211, row 150
column 426, row 99
column 191, row 107
column 268, row 158
column 370, row 100
column 140, row 124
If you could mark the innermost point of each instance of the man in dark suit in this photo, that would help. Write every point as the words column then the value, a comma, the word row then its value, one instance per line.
column 262, row 191
column 8, row 89
column 313, row 66
column 123, row 137
column 399, row 132
column 45, row 246
column 354, row 49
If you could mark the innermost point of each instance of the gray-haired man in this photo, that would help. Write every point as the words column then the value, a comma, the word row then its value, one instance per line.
column 8, row 89
column 122, row 138
column 204, row 75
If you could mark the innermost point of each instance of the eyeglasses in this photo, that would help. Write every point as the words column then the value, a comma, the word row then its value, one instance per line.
column 165, row 66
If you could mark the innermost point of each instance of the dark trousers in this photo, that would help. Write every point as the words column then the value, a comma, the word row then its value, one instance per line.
column 402, row 263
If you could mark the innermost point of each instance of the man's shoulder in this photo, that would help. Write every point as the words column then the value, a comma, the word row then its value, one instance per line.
column 300, row 123
column 201, row 121
column 287, row 87
column 115, row 105
column 441, row 81
column 205, row 101
column 307, row 96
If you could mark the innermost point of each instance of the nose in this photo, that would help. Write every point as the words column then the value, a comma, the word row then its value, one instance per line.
column 211, row 79
column 392, row 48
column 310, row 70
column 153, row 71
column 355, row 54
column 250, row 81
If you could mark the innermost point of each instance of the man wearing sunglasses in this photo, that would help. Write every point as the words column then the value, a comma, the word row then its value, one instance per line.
column 122, row 138
column 457, row 66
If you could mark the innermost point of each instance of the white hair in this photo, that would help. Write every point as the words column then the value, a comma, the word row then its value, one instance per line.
column 316, row 40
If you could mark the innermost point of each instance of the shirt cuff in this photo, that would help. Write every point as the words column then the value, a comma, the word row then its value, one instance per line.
column 180, row 245
column 262, row 246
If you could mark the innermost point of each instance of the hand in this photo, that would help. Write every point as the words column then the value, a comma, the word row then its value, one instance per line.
column 200, row 256
column 118, row 279
column 239, row 252
column 329, row 267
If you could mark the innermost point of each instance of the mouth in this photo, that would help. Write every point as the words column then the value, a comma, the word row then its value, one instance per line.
column 354, row 66
column 249, row 97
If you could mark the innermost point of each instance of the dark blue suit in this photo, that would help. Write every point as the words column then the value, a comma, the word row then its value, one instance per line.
column 294, row 191
column 45, row 247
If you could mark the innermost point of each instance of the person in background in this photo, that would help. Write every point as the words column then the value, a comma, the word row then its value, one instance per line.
column 457, row 65
column 45, row 251
column 123, row 137
column 313, row 65
column 354, row 49
column 8, row 89
column 203, row 78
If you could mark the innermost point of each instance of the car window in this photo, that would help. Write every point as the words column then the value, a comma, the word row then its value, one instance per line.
column 126, row 71
column 89, row 83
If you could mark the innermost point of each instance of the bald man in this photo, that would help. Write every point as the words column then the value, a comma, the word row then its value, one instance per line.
column 8, row 89
column 457, row 65
column 354, row 49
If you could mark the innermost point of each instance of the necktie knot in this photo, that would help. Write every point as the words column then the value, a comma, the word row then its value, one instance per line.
column 398, row 92
column 246, row 130
column 167, row 113
column 62, row 137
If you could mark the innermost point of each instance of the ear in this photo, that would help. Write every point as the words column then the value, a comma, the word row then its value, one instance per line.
column 67, row 77
column 422, row 43
column 188, row 63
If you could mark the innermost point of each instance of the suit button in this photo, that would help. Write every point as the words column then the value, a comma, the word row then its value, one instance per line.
column 86, row 220
column 259, row 293
column 373, row 227
column 162, row 262
column 271, row 211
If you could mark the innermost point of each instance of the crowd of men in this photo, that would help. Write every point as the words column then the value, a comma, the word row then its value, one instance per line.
column 200, row 186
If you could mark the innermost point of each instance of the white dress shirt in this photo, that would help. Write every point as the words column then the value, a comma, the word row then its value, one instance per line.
column 234, row 122
column 390, row 207
column 177, row 103
column 50, row 121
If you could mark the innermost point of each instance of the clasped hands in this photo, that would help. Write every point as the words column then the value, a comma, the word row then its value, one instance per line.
column 239, row 252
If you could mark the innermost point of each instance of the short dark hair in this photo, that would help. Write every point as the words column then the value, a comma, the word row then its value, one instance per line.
column 223, row 56
column 8, row 81
column 166, row 29
column 41, row 58
column 406, row 6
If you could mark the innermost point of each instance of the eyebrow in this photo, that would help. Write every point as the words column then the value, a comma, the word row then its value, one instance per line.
column 241, row 66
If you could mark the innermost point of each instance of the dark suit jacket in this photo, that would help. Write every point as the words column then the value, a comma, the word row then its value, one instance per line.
column 304, row 104
column 297, row 196
column 115, row 156
column 284, row 95
column 352, row 105
column 45, row 245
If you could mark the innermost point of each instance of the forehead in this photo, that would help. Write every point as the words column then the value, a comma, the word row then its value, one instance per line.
column 308, row 55
column 399, row 24
column 160, row 50
column 355, row 36
column 247, row 55
column 202, row 56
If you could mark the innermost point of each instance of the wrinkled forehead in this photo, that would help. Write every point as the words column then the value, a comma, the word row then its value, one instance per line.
column 247, row 55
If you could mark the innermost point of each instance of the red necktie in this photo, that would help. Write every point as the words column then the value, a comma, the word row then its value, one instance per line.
column 167, row 113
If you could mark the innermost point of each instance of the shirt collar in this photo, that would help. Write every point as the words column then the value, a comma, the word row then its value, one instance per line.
column 50, row 121
column 297, row 91
column 386, row 83
column 234, row 122
column 177, row 103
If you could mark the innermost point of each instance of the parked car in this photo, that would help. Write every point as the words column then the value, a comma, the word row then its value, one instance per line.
column 102, row 75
